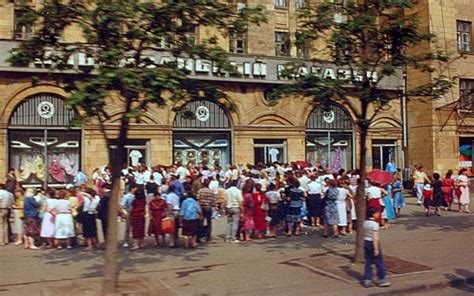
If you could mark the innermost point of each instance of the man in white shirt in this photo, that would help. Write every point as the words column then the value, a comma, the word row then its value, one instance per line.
column 182, row 172
column 172, row 199
column 314, row 202
column 233, row 204
column 158, row 177
column 6, row 201
column 304, row 180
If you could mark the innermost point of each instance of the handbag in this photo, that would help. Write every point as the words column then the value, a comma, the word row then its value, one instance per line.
column 264, row 206
column 80, row 213
column 458, row 192
column 167, row 225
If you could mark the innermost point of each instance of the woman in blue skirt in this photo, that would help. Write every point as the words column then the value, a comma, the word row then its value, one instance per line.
column 398, row 197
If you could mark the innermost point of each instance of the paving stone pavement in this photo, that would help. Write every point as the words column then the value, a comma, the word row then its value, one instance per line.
column 260, row 267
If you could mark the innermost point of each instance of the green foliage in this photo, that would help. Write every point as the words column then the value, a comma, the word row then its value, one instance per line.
column 367, row 37
column 120, row 37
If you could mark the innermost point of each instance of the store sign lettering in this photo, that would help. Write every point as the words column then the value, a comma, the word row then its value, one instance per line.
column 245, row 67
column 323, row 72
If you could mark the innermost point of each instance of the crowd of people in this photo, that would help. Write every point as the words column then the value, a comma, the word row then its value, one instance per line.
column 177, row 204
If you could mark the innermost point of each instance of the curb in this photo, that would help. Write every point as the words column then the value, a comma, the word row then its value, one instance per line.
column 455, row 282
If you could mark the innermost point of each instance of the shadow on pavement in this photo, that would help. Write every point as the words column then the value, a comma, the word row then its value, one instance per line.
column 462, row 280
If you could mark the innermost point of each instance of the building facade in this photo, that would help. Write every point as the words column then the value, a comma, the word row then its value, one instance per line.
column 36, row 138
column 441, row 132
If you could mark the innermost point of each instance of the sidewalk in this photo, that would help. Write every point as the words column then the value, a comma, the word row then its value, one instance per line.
column 267, row 267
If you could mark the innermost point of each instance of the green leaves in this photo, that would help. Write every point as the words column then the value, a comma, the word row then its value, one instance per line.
column 366, row 37
column 118, row 41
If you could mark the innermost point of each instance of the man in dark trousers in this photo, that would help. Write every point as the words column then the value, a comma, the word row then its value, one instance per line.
column 103, row 212
column 206, row 199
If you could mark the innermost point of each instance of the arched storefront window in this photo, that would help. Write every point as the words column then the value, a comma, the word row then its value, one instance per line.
column 43, row 148
column 330, row 137
column 203, row 138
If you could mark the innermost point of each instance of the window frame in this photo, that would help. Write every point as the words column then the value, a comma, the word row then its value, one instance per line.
column 281, row 3
column 23, row 32
column 301, row 4
column 460, row 33
column 282, row 47
column 466, row 90
column 234, row 39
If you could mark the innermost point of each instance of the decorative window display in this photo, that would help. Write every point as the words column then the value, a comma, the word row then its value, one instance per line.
column 27, row 156
column 329, row 138
column 332, row 150
column 202, row 148
column 43, row 147
column 206, row 138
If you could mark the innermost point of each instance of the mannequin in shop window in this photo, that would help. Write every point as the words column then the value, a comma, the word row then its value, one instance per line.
column 57, row 170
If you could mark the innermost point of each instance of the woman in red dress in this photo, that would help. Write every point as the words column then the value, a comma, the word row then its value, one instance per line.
column 447, row 186
column 137, row 219
column 260, row 211
column 247, row 222
column 157, row 208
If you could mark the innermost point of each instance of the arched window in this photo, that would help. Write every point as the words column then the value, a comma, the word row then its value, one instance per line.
column 43, row 146
column 332, row 117
column 42, row 110
column 206, row 114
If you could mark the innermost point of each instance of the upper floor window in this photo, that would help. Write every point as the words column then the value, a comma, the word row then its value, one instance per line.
column 301, row 3
column 302, row 46
column 280, row 3
column 339, row 4
column 190, row 33
column 237, row 42
column 466, row 94
column 464, row 31
column 282, row 44
column 23, row 29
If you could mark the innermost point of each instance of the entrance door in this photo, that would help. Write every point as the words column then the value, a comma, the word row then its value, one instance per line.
column 383, row 151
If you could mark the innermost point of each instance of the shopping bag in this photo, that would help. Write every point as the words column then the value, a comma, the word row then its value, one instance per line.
column 167, row 225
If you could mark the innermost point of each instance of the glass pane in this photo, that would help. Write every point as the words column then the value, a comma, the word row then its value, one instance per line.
column 259, row 155
column 376, row 158
column 388, row 154
column 275, row 154
column 207, row 149
column 27, row 156
column 340, row 151
column 317, row 147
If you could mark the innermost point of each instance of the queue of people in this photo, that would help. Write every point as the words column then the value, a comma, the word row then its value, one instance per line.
column 177, row 205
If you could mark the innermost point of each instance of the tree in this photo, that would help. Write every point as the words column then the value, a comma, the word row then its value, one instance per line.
column 119, row 38
column 372, row 40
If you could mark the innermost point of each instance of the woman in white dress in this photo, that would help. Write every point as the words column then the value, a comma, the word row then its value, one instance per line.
column 47, row 225
column 64, row 224
column 341, row 203
column 463, row 183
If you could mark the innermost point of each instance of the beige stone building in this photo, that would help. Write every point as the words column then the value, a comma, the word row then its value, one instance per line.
column 441, row 132
column 36, row 141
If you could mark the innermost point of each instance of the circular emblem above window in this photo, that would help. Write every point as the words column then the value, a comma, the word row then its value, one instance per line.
column 45, row 109
column 329, row 116
column 202, row 113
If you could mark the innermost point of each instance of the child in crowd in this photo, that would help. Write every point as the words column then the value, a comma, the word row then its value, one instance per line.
column 372, row 250
column 427, row 198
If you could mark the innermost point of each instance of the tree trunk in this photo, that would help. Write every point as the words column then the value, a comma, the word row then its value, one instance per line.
column 111, row 268
column 360, row 198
